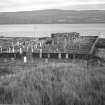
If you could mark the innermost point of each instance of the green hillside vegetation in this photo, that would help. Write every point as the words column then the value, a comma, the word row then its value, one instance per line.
column 55, row 84
column 53, row 17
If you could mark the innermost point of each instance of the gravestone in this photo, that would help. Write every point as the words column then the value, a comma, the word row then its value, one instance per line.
column 25, row 59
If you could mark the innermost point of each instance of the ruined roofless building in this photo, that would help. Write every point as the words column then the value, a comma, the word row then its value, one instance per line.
column 72, row 44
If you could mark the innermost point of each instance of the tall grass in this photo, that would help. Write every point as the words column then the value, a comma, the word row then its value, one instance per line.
column 55, row 84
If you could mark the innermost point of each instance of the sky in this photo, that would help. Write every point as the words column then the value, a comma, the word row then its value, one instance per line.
column 28, row 5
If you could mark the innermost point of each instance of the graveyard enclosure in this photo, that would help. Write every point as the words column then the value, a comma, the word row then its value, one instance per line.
column 68, row 45
column 58, row 46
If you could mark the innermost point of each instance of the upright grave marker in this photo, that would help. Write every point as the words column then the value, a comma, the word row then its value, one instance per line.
column 25, row 59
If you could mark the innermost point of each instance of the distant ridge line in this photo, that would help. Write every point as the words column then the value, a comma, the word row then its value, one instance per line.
column 53, row 16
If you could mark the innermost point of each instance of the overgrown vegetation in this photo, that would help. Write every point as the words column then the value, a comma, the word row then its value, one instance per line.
column 55, row 84
column 4, row 71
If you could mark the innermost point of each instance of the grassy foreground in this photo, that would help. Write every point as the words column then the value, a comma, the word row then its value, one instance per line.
column 55, row 84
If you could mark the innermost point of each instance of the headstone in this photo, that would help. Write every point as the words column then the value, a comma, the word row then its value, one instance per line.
column 25, row 59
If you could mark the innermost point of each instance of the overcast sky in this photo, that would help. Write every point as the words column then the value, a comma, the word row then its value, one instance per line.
column 27, row 5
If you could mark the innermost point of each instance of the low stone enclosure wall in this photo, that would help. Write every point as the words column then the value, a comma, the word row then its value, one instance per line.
column 12, row 55
column 61, row 56
column 47, row 55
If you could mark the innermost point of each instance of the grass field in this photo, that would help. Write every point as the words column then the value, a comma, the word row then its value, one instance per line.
column 55, row 83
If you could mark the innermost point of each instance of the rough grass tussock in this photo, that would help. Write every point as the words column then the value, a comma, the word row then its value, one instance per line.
column 55, row 84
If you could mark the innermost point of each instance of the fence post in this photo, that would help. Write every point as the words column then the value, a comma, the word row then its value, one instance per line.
column 13, row 50
column 67, row 55
column 59, row 55
column 73, row 57
column 9, row 50
column 48, row 55
column 40, row 53
column 20, row 50
column 32, row 49
column 1, row 49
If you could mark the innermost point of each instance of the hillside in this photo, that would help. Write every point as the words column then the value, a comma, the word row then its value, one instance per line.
column 53, row 17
